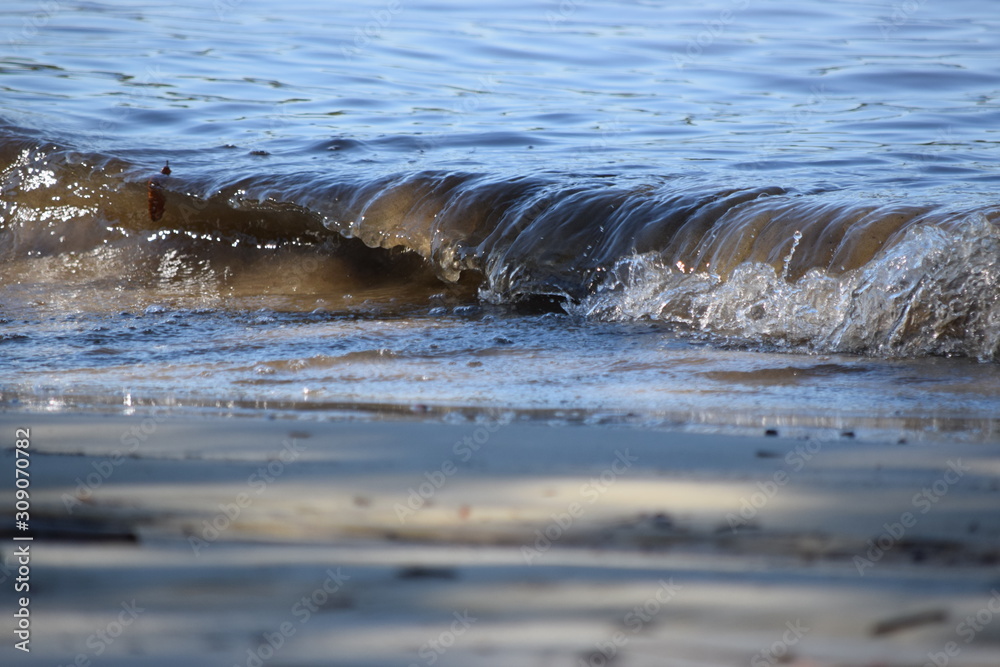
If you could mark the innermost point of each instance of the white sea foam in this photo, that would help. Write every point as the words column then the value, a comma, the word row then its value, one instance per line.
column 936, row 291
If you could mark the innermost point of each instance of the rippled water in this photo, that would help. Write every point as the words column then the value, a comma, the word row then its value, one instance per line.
column 737, row 214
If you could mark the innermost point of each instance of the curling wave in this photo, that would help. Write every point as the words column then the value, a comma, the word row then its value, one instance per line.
column 819, row 270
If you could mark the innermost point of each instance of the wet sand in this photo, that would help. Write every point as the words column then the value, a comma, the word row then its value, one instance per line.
column 161, row 540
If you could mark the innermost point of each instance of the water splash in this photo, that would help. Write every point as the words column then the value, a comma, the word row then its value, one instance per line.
column 935, row 292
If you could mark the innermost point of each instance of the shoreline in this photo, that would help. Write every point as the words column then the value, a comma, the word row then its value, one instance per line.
column 549, row 536
column 790, row 423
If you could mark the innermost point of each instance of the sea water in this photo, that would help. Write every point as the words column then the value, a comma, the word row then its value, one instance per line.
column 742, row 215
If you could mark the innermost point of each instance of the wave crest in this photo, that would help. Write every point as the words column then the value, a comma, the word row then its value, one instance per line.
column 824, row 271
column 934, row 292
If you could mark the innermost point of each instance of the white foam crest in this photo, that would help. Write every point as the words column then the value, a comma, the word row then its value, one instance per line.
column 935, row 292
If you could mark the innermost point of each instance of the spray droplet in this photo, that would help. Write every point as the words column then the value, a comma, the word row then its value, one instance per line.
column 796, row 237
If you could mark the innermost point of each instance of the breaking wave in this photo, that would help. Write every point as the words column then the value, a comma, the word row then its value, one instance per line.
column 823, row 270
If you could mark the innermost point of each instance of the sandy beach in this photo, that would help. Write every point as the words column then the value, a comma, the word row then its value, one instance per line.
column 166, row 540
